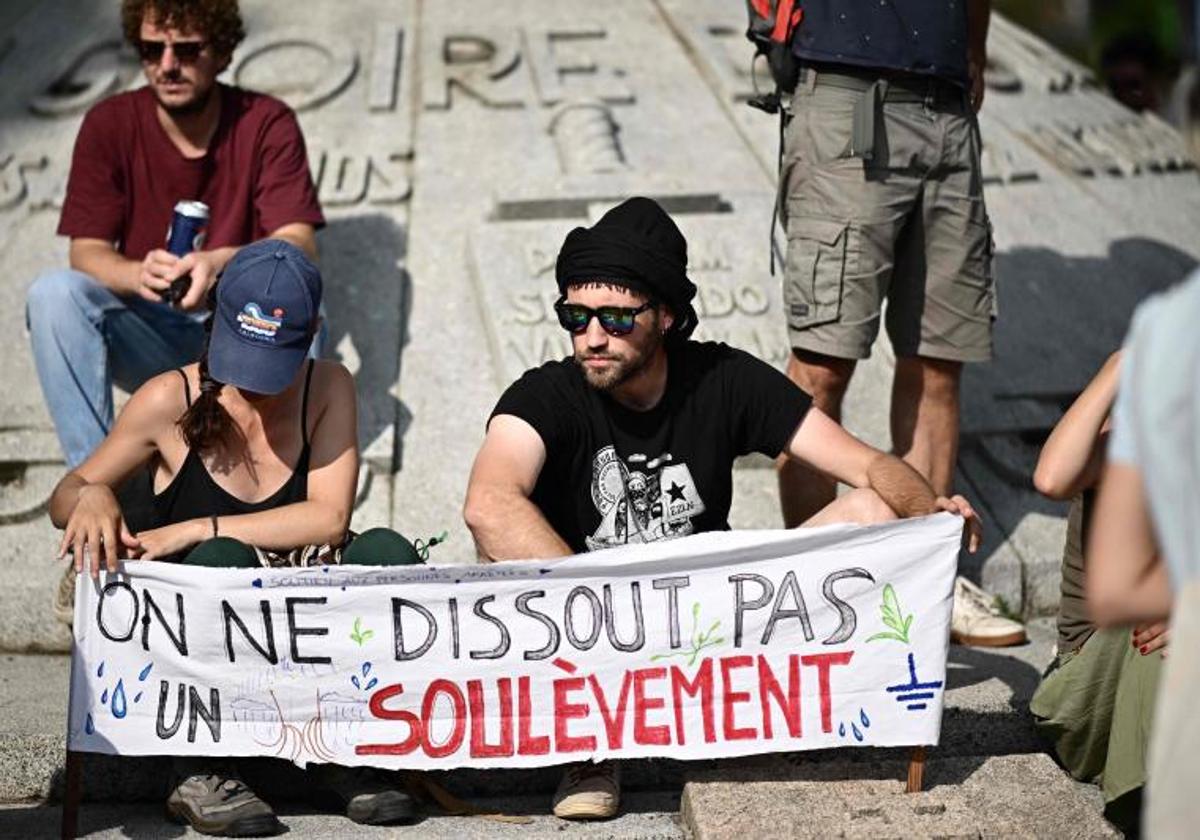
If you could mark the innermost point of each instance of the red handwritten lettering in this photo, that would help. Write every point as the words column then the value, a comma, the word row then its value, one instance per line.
column 480, row 748
column 702, row 684
column 452, row 691
column 614, row 723
column 769, row 688
column 732, row 698
column 415, row 730
column 565, row 712
column 527, row 742
column 643, row 733
column 824, row 661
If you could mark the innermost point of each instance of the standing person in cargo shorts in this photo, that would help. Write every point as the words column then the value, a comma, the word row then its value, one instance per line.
column 882, row 199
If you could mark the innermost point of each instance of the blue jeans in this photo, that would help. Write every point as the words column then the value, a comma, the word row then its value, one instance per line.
column 85, row 338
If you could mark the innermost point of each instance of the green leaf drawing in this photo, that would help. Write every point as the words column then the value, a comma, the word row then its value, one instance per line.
column 893, row 617
column 699, row 639
column 359, row 635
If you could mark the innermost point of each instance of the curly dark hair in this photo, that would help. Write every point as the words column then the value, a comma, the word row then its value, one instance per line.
column 218, row 20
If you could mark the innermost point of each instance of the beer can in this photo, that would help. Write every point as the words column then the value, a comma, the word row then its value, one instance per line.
column 189, row 224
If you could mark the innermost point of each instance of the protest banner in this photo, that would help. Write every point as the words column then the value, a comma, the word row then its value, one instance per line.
column 719, row 644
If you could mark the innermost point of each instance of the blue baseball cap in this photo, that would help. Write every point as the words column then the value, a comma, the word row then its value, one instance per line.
column 268, row 300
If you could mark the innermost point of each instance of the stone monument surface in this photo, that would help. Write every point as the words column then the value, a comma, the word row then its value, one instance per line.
column 455, row 144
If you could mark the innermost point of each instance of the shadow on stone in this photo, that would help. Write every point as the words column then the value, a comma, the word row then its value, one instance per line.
column 1059, row 318
column 367, row 295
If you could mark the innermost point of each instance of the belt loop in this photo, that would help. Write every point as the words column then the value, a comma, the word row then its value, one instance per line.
column 808, row 77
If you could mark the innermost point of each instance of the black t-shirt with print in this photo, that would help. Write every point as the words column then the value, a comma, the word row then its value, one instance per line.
column 614, row 476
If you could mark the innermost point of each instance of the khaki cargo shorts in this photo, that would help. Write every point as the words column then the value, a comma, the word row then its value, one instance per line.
column 909, row 227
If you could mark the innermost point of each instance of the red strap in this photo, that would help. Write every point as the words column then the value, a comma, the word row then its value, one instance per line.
column 786, row 18
column 762, row 7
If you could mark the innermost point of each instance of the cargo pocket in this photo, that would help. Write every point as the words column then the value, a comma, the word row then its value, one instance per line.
column 818, row 250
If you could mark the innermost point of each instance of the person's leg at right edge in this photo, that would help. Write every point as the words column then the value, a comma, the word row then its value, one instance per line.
column 939, row 316
column 802, row 491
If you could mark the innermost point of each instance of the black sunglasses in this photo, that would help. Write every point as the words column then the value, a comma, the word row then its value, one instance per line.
column 185, row 52
column 614, row 320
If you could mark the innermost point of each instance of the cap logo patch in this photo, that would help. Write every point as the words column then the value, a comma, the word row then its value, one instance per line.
column 256, row 323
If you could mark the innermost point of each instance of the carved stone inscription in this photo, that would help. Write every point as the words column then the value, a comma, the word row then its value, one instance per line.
column 303, row 67
column 487, row 64
column 513, row 267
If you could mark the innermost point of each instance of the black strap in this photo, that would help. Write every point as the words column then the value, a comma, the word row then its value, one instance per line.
column 187, row 387
column 304, row 404
column 780, row 188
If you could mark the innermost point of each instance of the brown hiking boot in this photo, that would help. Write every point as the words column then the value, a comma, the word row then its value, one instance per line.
column 589, row 792
column 219, row 803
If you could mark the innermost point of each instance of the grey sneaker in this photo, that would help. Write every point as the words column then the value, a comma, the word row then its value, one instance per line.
column 220, row 804
column 367, row 798
column 589, row 792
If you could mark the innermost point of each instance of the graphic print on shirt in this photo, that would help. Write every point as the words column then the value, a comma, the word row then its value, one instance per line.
column 642, row 500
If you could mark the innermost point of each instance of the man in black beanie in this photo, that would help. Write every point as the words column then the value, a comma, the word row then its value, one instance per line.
column 633, row 439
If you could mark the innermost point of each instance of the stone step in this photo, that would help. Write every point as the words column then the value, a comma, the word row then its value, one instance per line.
column 987, row 701
column 644, row 816
column 977, row 797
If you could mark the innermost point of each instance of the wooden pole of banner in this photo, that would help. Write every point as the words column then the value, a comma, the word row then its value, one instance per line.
column 73, row 783
column 916, row 770
column 71, row 794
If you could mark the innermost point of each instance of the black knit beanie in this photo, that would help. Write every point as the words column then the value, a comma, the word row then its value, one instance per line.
column 635, row 245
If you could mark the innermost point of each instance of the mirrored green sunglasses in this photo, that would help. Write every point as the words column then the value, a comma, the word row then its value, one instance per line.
column 614, row 320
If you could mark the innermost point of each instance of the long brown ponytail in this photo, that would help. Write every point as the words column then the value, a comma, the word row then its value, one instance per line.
column 206, row 423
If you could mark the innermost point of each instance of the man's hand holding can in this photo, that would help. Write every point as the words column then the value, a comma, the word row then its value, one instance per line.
column 189, row 224
column 195, row 274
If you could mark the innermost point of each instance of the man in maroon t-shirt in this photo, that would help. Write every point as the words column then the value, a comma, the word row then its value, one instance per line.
column 181, row 137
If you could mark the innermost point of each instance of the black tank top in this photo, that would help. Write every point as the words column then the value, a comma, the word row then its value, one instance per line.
column 192, row 493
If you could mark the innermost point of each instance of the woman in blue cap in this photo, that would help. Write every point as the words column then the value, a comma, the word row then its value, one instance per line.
column 253, row 454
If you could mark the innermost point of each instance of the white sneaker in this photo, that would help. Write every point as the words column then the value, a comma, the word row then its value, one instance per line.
column 589, row 792
column 977, row 621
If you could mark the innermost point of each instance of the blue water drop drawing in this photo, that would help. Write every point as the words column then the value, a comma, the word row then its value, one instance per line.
column 104, row 697
column 862, row 715
column 118, row 700
column 256, row 583
column 366, row 668
column 145, row 672
column 354, row 679
column 858, row 736
column 100, row 670
column 90, row 725
column 374, row 682
column 138, row 697
column 842, row 730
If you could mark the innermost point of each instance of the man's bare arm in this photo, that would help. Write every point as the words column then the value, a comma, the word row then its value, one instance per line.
column 151, row 276
column 505, row 523
column 824, row 445
column 1126, row 579
column 147, row 278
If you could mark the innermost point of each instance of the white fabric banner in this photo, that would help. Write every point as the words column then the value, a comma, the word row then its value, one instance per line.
column 719, row 644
